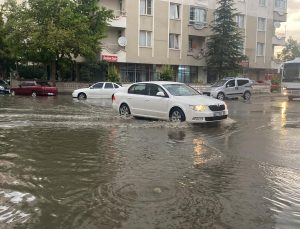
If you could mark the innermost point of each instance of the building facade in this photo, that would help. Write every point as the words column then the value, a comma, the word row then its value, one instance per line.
column 148, row 34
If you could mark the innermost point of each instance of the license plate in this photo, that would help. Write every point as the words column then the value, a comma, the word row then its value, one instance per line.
column 218, row 113
column 50, row 93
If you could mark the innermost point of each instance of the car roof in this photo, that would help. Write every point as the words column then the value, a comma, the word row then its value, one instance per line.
column 159, row 82
column 238, row 78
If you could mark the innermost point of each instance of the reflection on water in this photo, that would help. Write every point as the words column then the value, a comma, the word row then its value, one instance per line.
column 66, row 163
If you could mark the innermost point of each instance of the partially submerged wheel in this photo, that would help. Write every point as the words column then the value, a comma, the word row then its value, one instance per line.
column 177, row 115
column 124, row 110
column 247, row 95
column 290, row 98
column 81, row 96
column 34, row 94
column 221, row 96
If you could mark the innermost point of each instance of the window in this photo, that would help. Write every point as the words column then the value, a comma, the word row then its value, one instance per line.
column 280, row 4
column 198, row 15
column 242, row 82
column 174, row 41
column 260, row 49
column 153, row 89
column 174, row 11
column 145, row 7
column 116, row 86
column 240, row 20
column 261, row 24
column 145, row 38
column 98, row 85
column 262, row 2
column 108, row 85
column 139, row 89
column 230, row 83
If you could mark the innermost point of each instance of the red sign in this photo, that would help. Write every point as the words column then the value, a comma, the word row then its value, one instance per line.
column 109, row 58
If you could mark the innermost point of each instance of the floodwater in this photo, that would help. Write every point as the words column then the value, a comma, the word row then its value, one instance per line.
column 66, row 163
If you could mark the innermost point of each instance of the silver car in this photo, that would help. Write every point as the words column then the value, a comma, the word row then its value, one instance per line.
column 231, row 88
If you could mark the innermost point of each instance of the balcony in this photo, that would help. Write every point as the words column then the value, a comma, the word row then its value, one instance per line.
column 120, row 19
column 280, row 15
column 278, row 40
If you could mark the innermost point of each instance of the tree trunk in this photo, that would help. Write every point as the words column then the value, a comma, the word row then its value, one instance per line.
column 76, row 72
column 53, row 72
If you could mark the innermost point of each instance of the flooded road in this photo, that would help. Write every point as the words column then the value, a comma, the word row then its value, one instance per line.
column 66, row 163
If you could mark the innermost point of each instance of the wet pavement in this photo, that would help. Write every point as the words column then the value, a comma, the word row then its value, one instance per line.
column 66, row 163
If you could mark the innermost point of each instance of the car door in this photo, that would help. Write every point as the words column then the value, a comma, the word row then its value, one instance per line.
column 95, row 90
column 242, row 85
column 231, row 88
column 108, row 90
column 156, row 105
column 136, row 99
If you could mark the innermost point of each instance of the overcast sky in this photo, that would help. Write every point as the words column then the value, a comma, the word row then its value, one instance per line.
column 293, row 20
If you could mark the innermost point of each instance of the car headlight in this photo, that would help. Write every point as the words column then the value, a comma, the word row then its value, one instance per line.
column 1, row 88
column 200, row 108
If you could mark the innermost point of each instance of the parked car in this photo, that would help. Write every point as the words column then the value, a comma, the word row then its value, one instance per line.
column 97, row 90
column 34, row 88
column 231, row 88
column 4, row 87
column 168, row 101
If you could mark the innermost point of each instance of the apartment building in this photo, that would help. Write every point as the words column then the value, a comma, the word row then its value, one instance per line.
column 147, row 34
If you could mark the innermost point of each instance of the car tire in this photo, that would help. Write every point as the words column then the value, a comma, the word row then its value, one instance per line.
column 247, row 95
column 81, row 96
column 12, row 92
column 124, row 110
column 290, row 98
column 176, row 115
column 34, row 94
column 221, row 96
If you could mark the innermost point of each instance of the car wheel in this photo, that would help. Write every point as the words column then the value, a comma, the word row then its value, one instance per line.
column 177, row 115
column 290, row 98
column 124, row 110
column 81, row 96
column 33, row 94
column 247, row 95
column 12, row 92
column 221, row 96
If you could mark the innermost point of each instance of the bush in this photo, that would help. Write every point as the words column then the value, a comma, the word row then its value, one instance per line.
column 113, row 74
column 167, row 73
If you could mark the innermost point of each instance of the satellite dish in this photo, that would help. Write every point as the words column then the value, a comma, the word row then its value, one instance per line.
column 122, row 41
column 277, row 24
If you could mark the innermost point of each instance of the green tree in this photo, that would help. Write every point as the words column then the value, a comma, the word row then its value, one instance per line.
column 113, row 74
column 50, row 31
column 225, row 45
column 291, row 50
column 166, row 73
column 6, row 59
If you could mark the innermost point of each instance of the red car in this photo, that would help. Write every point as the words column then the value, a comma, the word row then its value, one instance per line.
column 34, row 88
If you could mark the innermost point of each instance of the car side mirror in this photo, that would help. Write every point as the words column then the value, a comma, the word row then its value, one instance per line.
column 160, row 93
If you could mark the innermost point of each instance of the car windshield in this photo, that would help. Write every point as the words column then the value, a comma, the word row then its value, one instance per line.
column 219, row 83
column 180, row 90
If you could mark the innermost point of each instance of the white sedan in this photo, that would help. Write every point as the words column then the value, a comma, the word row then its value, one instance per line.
column 168, row 101
column 97, row 90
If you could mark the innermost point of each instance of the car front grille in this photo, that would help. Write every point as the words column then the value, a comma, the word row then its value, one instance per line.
column 216, row 118
column 217, row 107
